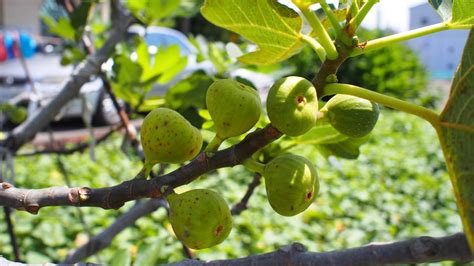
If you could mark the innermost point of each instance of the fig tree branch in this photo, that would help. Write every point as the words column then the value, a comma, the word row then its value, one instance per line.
column 417, row 250
column 91, row 66
column 114, row 197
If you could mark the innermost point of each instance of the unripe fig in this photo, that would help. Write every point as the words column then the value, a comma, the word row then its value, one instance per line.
column 291, row 182
column 167, row 137
column 292, row 105
column 352, row 116
column 234, row 107
column 200, row 218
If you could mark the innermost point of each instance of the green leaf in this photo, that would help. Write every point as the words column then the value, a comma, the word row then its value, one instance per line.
column 275, row 28
column 121, row 257
column 457, row 138
column 456, row 12
column 463, row 12
column 148, row 254
column 62, row 27
column 152, row 11
column 190, row 92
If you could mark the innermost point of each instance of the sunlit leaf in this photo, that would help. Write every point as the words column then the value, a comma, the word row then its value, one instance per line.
column 275, row 28
column 457, row 138
column 62, row 27
column 458, row 12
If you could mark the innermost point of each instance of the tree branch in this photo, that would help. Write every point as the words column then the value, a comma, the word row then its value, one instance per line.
column 104, row 239
column 417, row 250
column 114, row 197
column 242, row 205
column 91, row 66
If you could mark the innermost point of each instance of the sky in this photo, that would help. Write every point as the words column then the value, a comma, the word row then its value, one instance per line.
column 393, row 14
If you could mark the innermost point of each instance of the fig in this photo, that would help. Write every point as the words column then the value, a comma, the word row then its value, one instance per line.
column 291, row 182
column 200, row 218
column 234, row 107
column 292, row 105
column 167, row 137
column 352, row 116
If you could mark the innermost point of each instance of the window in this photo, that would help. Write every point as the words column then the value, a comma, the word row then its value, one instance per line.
column 424, row 21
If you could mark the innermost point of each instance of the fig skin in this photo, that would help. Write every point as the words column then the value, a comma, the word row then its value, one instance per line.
column 350, row 115
column 291, row 182
column 167, row 137
column 234, row 107
column 292, row 105
column 200, row 218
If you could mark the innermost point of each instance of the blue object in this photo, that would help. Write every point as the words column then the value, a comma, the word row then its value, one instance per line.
column 9, row 45
column 27, row 45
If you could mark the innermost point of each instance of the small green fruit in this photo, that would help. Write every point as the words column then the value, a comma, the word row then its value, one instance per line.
column 291, row 182
column 234, row 107
column 167, row 137
column 292, row 105
column 200, row 218
column 352, row 116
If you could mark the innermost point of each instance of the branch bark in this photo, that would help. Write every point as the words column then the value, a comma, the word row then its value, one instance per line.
column 114, row 197
column 91, row 66
column 417, row 250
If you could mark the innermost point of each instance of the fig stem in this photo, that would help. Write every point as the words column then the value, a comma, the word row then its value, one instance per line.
column 392, row 102
column 357, row 20
column 403, row 36
column 145, row 171
column 254, row 166
column 214, row 145
column 323, row 36
column 320, row 51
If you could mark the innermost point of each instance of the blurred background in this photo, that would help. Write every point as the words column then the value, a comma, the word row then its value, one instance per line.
column 393, row 187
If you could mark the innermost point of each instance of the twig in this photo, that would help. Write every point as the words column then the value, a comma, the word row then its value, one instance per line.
column 11, row 233
column 242, row 205
column 417, row 250
column 104, row 239
column 114, row 197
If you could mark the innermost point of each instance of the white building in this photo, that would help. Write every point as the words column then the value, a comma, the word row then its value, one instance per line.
column 440, row 52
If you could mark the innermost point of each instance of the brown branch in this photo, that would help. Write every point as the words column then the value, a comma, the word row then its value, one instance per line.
column 114, row 197
column 91, row 66
column 104, row 239
column 417, row 250
column 242, row 205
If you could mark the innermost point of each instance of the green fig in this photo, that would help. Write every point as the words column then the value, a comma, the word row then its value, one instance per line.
column 234, row 107
column 291, row 182
column 292, row 105
column 352, row 116
column 167, row 137
column 200, row 218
